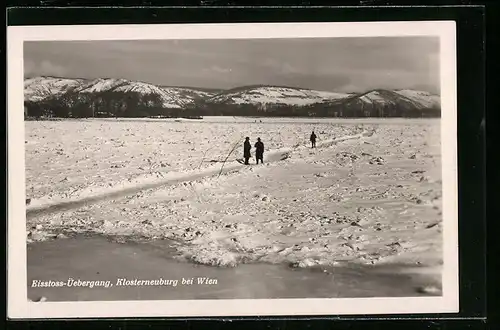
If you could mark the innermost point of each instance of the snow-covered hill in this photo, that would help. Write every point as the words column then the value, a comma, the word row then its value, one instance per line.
column 99, row 85
column 189, row 93
column 424, row 99
column 259, row 95
column 401, row 98
column 382, row 103
column 245, row 100
column 170, row 97
column 39, row 88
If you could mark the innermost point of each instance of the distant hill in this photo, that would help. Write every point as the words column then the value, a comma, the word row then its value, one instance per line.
column 64, row 97
column 262, row 95
column 385, row 103
column 211, row 91
column 40, row 88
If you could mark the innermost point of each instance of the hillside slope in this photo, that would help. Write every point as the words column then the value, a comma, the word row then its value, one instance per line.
column 39, row 88
column 120, row 97
column 260, row 95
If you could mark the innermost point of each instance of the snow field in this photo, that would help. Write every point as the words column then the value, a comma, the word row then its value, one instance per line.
column 370, row 200
column 70, row 159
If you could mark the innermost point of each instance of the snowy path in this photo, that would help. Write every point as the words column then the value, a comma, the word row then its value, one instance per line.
column 170, row 179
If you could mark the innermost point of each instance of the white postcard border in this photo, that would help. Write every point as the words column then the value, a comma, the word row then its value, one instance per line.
column 18, row 305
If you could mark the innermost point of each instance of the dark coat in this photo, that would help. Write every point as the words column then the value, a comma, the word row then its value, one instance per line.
column 246, row 149
column 313, row 137
column 259, row 149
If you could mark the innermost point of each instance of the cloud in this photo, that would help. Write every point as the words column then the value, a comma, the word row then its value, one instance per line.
column 435, row 89
column 217, row 69
column 287, row 68
column 276, row 65
column 338, row 64
column 43, row 68
column 313, row 81
column 29, row 67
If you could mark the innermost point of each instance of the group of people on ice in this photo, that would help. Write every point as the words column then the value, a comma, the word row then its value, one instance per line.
column 259, row 149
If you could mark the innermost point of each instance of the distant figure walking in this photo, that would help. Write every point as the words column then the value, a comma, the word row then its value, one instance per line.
column 246, row 150
column 313, row 140
column 259, row 151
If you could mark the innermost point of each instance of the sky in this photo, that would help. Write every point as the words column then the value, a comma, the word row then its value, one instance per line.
column 329, row 64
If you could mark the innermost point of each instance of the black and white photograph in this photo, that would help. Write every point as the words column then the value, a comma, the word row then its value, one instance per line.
column 244, row 169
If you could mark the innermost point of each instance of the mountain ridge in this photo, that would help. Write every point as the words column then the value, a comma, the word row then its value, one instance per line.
column 42, row 91
column 223, row 89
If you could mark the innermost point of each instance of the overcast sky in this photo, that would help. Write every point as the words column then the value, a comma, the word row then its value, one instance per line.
column 339, row 64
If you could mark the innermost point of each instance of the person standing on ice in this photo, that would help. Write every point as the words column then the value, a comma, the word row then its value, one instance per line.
column 313, row 140
column 259, row 151
column 246, row 150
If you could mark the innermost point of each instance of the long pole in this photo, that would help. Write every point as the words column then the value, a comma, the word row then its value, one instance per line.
column 230, row 152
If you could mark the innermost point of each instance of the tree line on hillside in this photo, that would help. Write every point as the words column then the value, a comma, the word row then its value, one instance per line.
column 357, row 109
column 136, row 105
column 327, row 109
column 106, row 104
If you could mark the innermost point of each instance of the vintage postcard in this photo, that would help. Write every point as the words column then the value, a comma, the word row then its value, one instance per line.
column 232, row 170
